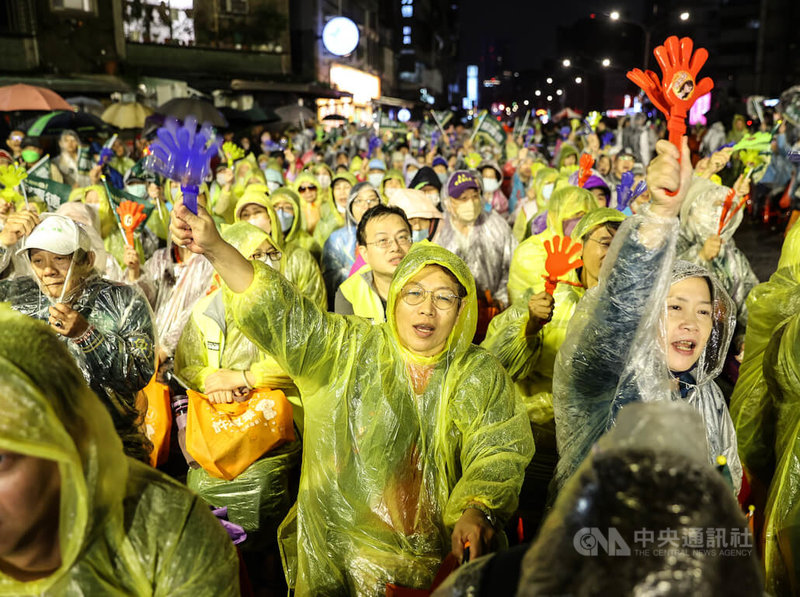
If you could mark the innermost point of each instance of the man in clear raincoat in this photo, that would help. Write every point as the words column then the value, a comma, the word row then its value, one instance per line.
column 107, row 327
column 78, row 516
column 415, row 441
column 622, row 344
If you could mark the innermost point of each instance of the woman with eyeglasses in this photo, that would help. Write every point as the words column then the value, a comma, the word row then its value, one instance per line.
column 415, row 442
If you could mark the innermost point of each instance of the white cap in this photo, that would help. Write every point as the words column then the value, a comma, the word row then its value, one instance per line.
column 415, row 203
column 57, row 234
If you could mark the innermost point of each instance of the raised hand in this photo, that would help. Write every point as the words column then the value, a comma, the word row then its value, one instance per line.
column 558, row 263
column 626, row 192
column 131, row 216
column 669, row 175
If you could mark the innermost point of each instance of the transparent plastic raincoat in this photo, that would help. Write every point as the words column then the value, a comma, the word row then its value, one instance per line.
column 124, row 527
column 487, row 249
column 387, row 470
column 527, row 265
column 115, row 354
column 700, row 215
column 613, row 353
column 339, row 252
column 297, row 234
column 259, row 498
column 765, row 411
column 173, row 287
column 297, row 264
column 650, row 493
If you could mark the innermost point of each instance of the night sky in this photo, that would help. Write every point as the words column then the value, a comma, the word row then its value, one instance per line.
column 528, row 27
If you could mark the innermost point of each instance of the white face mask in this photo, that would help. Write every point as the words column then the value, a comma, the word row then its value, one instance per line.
column 490, row 185
column 390, row 192
column 273, row 186
column 442, row 176
column 433, row 197
column 547, row 190
column 467, row 211
column 324, row 181
column 260, row 221
column 221, row 180
column 375, row 180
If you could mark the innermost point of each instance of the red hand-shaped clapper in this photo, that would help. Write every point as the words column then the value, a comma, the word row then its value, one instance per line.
column 678, row 88
column 558, row 261
column 585, row 170
column 131, row 215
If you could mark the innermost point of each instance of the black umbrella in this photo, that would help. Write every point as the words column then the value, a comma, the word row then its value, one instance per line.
column 83, row 123
column 202, row 110
column 332, row 117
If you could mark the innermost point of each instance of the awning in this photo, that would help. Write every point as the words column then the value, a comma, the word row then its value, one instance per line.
column 72, row 84
column 299, row 88
column 395, row 102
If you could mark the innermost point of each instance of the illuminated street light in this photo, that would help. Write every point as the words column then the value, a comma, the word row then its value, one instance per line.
column 606, row 62
column 559, row 91
column 526, row 102
column 537, row 93
column 549, row 98
column 549, row 80
column 685, row 16
column 566, row 62
column 614, row 16
column 579, row 80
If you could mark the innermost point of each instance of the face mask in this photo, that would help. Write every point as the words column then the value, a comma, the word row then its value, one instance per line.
column 221, row 180
column 547, row 190
column 467, row 211
column 433, row 198
column 276, row 265
column 375, row 180
column 490, row 185
column 30, row 155
column 260, row 221
column 324, row 181
column 419, row 235
column 442, row 176
column 286, row 219
column 410, row 174
column 137, row 190
column 273, row 186
column 390, row 192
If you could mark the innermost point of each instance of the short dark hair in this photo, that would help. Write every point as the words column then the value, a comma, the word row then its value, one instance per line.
column 378, row 211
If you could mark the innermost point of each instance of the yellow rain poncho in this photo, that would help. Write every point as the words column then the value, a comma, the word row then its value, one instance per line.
column 259, row 498
column 330, row 218
column 766, row 414
column 391, row 175
column 297, row 264
column 528, row 210
column 527, row 265
column 297, row 234
column 387, row 471
column 124, row 528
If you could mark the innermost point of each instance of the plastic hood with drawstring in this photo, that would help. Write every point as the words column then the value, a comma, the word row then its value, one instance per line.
column 297, row 264
column 700, row 215
column 613, row 353
column 487, row 248
column 339, row 252
column 387, row 469
column 124, row 528
column 115, row 355
column 766, row 414
column 297, row 234
column 528, row 264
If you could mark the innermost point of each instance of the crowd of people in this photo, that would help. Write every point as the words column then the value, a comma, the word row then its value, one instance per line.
column 357, row 354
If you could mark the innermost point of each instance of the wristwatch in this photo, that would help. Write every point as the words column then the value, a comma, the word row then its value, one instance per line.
column 487, row 513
